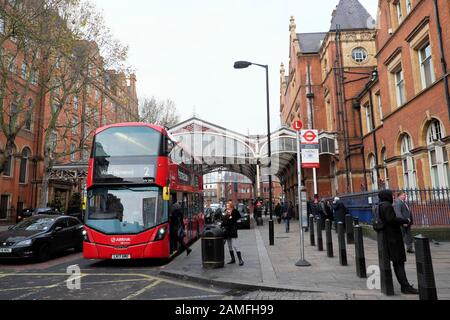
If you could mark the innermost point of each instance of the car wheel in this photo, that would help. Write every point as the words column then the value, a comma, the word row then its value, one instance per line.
column 43, row 253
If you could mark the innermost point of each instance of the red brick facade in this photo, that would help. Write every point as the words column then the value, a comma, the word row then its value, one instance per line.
column 356, row 96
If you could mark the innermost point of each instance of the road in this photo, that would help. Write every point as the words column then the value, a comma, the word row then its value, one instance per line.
column 100, row 280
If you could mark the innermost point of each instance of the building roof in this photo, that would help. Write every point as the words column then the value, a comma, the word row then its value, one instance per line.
column 350, row 14
column 311, row 42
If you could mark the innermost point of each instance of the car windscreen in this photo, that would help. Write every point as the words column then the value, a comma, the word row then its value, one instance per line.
column 35, row 224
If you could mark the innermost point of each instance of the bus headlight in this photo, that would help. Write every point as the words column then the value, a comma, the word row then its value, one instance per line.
column 161, row 234
column 85, row 236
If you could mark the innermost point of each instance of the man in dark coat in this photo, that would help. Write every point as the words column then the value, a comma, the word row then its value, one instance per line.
column 339, row 210
column 278, row 212
column 394, row 238
column 230, row 227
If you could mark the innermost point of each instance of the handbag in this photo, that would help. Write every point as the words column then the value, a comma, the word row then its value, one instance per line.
column 378, row 223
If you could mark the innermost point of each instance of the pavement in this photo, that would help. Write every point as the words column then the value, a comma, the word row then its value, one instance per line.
column 270, row 272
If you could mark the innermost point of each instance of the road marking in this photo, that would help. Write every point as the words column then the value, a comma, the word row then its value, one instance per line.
column 145, row 276
column 114, row 281
column 192, row 297
column 138, row 293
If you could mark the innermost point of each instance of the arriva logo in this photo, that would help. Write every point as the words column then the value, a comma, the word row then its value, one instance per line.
column 115, row 240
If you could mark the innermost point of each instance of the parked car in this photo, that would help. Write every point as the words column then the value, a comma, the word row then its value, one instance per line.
column 41, row 236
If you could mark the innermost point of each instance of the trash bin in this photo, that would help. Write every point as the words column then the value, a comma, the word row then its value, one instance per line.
column 213, row 251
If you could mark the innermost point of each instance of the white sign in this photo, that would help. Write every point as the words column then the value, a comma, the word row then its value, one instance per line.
column 309, row 137
column 310, row 158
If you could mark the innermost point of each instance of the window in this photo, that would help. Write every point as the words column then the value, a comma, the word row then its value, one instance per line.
column 386, row 171
column 73, row 152
column 24, row 71
column 29, row 115
column 23, row 175
column 369, row 118
column 53, row 140
column 359, row 55
column 2, row 25
column 408, row 6
column 75, row 102
column 399, row 12
column 12, row 64
column 8, row 167
column 34, row 77
column 400, row 87
column 426, row 66
column 408, row 163
column 439, row 166
column 380, row 106
column 4, row 206
column 374, row 172
column 74, row 125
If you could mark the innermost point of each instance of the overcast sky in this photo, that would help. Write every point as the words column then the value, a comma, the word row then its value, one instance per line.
column 185, row 50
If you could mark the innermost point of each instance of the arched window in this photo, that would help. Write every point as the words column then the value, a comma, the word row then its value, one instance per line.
column 23, row 175
column 385, row 168
column 408, row 163
column 373, row 172
column 439, row 167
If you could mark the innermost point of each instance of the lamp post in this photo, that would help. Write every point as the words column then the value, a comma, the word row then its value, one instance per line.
column 244, row 65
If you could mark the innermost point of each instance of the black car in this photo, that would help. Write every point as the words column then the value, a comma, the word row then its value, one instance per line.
column 41, row 236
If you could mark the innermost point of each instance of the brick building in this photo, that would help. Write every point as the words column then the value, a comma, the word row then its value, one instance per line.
column 108, row 97
column 325, row 70
column 413, row 47
column 361, row 83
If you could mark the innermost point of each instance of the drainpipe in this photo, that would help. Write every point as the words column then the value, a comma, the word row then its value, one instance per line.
column 443, row 61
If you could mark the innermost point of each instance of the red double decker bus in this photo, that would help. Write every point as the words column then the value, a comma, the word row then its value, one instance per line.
column 136, row 173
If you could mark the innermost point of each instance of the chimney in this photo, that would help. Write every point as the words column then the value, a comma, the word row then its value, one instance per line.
column 133, row 86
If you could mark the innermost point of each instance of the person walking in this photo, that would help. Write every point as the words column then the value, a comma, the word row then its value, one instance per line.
column 177, row 228
column 278, row 212
column 231, row 232
column 394, row 239
column 288, row 215
column 339, row 211
column 402, row 211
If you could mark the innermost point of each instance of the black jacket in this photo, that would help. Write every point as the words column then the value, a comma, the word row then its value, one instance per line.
column 392, row 231
column 340, row 211
column 229, row 224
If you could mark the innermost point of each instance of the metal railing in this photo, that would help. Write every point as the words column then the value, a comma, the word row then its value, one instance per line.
column 429, row 207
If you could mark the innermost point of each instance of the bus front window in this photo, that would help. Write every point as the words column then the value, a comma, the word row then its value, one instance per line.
column 122, row 210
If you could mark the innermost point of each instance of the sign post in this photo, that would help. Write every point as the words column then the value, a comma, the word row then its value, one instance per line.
column 302, row 262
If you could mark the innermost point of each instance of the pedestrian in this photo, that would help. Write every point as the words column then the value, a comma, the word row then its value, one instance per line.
column 278, row 212
column 339, row 211
column 288, row 215
column 394, row 238
column 231, row 232
column 402, row 211
column 177, row 228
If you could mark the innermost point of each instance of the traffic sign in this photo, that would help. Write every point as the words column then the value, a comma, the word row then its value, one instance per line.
column 298, row 125
column 310, row 137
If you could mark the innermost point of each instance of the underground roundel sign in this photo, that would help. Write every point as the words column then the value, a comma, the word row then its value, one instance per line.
column 310, row 137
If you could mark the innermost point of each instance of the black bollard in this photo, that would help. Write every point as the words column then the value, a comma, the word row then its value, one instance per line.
column 329, row 239
column 311, row 231
column 342, row 246
column 425, row 273
column 387, row 285
column 319, row 234
column 360, row 258
column 349, row 229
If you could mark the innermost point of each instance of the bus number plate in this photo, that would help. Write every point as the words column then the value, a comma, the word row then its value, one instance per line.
column 121, row 257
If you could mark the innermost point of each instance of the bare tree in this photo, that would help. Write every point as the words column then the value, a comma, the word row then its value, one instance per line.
column 159, row 112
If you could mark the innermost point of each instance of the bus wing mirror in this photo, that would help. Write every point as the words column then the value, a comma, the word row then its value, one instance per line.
column 166, row 194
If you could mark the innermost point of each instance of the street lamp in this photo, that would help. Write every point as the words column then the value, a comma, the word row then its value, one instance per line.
column 244, row 65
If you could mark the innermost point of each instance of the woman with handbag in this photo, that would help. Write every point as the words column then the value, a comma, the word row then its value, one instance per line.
column 230, row 227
